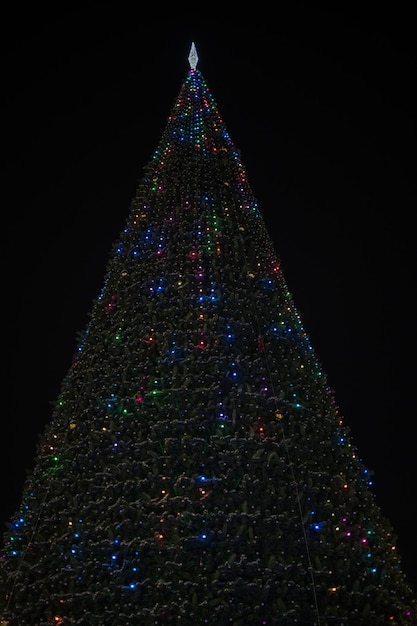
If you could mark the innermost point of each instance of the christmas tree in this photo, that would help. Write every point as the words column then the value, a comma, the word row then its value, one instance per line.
column 196, row 469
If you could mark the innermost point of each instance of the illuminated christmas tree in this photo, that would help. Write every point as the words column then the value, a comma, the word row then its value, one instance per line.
column 196, row 469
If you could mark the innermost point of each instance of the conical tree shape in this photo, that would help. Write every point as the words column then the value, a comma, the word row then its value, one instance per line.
column 196, row 469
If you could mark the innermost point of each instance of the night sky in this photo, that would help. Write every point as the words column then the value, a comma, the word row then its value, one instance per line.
column 321, row 105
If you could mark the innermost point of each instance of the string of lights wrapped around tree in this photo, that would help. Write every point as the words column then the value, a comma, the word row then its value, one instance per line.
column 196, row 469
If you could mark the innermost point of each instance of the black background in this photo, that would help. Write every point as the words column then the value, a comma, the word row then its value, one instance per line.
column 320, row 103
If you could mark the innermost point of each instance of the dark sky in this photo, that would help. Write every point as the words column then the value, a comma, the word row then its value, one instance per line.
column 321, row 105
